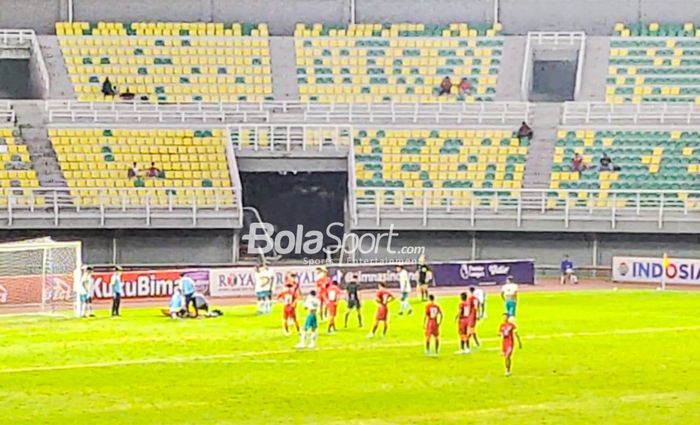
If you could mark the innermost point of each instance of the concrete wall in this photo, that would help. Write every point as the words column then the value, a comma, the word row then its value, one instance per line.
column 544, row 248
column 214, row 247
column 517, row 16
column 435, row 11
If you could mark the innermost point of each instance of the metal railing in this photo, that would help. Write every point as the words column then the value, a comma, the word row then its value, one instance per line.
column 556, row 39
column 527, row 205
column 630, row 114
column 16, row 38
column 7, row 113
column 484, row 113
column 102, row 204
column 281, row 137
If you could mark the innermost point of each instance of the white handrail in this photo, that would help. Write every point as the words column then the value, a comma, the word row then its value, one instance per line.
column 471, row 205
column 284, row 137
column 295, row 112
column 630, row 114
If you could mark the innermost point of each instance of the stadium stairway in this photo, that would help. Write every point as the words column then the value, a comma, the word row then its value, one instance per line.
column 61, row 87
column 595, row 65
column 33, row 133
column 511, row 69
column 284, row 71
column 539, row 160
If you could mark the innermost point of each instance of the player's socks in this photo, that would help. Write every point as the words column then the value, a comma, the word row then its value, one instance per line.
column 312, row 344
column 437, row 347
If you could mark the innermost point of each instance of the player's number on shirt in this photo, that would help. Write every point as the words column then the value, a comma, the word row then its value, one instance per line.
column 433, row 312
column 465, row 311
column 331, row 296
column 288, row 299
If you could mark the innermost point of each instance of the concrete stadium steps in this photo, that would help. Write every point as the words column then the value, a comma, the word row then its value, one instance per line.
column 539, row 160
column 284, row 70
column 511, row 69
column 33, row 134
column 61, row 87
column 595, row 69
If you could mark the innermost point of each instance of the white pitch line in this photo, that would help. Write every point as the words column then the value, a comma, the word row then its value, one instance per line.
column 202, row 358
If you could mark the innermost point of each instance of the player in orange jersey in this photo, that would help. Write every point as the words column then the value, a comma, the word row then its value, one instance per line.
column 333, row 294
column 383, row 299
column 508, row 333
column 289, row 299
column 431, row 323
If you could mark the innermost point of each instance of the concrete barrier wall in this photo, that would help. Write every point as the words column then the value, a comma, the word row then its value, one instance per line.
column 518, row 16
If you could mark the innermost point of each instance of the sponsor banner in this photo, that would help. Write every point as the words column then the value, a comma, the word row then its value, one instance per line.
column 149, row 283
column 240, row 281
column 650, row 269
column 483, row 273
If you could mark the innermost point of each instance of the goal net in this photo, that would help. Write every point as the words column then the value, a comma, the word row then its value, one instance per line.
column 38, row 275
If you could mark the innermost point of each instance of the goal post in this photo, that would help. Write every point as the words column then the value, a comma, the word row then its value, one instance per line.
column 38, row 275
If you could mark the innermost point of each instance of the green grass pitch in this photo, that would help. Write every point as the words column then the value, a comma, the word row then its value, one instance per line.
column 625, row 357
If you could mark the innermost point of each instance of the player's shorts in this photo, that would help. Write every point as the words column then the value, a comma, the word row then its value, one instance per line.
column 311, row 322
column 471, row 321
column 507, row 348
column 84, row 298
column 290, row 313
column 463, row 326
column 382, row 312
column 432, row 329
column 510, row 307
column 405, row 295
column 89, row 300
column 353, row 303
column 332, row 308
column 261, row 295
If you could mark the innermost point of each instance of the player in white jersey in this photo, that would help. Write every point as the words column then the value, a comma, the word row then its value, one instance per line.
column 405, row 288
column 480, row 296
column 264, row 279
column 81, row 290
column 312, row 304
column 509, row 294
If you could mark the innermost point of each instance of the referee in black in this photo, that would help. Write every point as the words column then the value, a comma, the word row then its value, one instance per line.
column 423, row 270
column 352, row 287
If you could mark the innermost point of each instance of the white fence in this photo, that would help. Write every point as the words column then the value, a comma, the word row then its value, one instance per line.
column 485, row 113
column 527, row 205
column 280, row 137
column 571, row 40
column 7, row 114
column 107, row 203
column 630, row 114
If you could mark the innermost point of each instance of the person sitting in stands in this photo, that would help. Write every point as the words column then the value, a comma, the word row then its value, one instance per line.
column 525, row 131
column 127, row 95
column 465, row 87
column 577, row 163
column 133, row 172
column 107, row 88
column 153, row 171
column 445, row 86
column 606, row 163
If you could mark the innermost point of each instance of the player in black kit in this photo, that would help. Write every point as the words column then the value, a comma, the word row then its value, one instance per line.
column 352, row 287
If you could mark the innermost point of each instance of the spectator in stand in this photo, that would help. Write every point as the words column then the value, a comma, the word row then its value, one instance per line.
column 153, row 171
column 577, row 163
column 465, row 87
column 525, row 131
column 133, row 172
column 107, row 88
column 606, row 163
column 445, row 86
